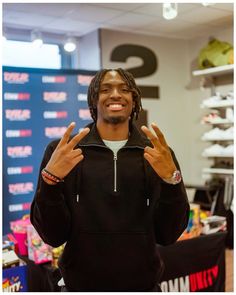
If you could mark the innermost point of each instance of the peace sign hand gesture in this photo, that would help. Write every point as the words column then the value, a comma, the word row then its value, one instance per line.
column 65, row 157
column 159, row 157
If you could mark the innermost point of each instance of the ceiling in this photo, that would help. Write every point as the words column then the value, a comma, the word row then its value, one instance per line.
column 78, row 19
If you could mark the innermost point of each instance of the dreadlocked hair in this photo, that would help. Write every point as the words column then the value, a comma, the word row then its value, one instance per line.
column 94, row 87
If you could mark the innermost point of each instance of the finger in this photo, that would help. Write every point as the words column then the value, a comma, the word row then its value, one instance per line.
column 159, row 134
column 77, row 138
column 66, row 136
column 154, row 140
column 149, row 158
column 79, row 158
column 152, row 152
column 75, row 153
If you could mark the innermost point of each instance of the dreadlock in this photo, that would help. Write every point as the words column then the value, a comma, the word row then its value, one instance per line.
column 94, row 87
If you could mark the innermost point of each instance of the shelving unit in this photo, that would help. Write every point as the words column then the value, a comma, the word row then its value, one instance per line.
column 216, row 71
column 210, row 75
column 218, row 171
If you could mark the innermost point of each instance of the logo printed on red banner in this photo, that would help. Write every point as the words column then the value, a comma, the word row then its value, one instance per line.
column 55, row 132
column 55, row 115
column 16, row 78
column 20, row 188
column 53, row 79
column 19, row 151
column 16, row 96
column 84, row 79
column 193, row 282
column 84, row 114
column 19, row 207
column 20, row 170
column 57, row 97
column 17, row 114
column 19, row 133
column 82, row 97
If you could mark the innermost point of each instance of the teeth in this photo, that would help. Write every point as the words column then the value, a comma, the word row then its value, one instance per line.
column 116, row 105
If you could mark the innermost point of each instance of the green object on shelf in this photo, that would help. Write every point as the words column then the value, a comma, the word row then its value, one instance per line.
column 216, row 53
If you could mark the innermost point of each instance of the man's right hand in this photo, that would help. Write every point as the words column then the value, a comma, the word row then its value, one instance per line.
column 65, row 157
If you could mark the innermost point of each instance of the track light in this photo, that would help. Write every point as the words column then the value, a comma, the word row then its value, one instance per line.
column 170, row 10
column 36, row 38
column 70, row 44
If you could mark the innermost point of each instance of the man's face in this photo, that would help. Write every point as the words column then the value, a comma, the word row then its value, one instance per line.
column 115, row 101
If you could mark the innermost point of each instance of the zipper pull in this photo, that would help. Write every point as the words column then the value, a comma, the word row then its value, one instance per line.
column 147, row 202
column 77, row 198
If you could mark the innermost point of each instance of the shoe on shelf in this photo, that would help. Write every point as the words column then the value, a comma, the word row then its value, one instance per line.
column 228, row 151
column 211, row 100
column 214, row 134
column 213, row 151
column 230, row 95
column 228, row 134
column 213, row 118
column 229, row 114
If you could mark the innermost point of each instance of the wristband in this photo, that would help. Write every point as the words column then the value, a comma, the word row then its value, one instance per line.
column 50, row 176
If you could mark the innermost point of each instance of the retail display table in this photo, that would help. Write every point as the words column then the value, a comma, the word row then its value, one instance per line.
column 194, row 265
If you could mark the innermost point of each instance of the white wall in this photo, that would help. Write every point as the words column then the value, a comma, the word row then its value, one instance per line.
column 177, row 112
column 89, row 52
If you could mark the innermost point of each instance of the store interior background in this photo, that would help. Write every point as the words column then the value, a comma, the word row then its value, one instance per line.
column 99, row 28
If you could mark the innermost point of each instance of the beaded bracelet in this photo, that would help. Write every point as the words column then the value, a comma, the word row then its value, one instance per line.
column 50, row 176
column 51, row 181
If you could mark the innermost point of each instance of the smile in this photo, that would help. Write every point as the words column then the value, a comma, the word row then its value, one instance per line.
column 115, row 106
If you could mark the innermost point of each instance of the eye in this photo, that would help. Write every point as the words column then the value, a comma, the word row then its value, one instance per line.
column 125, row 90
column 104, row 90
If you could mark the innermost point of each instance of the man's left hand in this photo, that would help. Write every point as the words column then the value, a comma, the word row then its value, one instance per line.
column 159, row 157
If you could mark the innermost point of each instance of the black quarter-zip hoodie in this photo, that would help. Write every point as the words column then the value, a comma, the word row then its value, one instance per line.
column 111, row 212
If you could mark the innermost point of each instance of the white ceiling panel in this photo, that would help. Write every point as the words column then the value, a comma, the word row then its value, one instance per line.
column 79, row 18
column 120, row 6
column 132, row 20
column 70, row 26
column 203, row 15
column 94, row 13
column 26, row 19
column 155, row 9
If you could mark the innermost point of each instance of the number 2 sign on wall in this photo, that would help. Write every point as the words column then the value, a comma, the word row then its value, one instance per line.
column 150, row 64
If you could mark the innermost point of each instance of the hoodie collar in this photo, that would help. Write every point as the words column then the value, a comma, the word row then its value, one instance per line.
column 136, row 139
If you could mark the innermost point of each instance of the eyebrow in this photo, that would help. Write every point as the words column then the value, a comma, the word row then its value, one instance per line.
column 109, row 84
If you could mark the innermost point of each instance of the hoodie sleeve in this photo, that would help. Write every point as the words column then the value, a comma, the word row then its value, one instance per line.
column 49, row 212
column 172, row 211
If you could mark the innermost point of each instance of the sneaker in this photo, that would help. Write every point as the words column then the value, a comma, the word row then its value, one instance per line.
column 228, row 151
column 229, row 114
column 228, row 134
column 213, row 118
column 214, row 134
column 230, row 95
column 213, row 151
column 212, row 100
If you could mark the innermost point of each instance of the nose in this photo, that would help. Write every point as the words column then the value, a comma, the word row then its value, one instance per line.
column 115, row 93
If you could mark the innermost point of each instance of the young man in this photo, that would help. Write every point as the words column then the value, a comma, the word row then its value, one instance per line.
column 111, row 193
